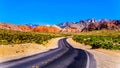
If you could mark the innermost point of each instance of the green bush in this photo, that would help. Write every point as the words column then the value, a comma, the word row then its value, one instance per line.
column 3, row 42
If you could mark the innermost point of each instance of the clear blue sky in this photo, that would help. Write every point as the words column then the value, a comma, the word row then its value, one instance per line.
column 57, row 11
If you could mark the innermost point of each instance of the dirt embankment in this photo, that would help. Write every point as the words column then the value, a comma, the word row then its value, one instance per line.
column 9, row 52
column 104, row 58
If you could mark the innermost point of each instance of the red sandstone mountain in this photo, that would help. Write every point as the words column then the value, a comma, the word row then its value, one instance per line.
column 46, row 29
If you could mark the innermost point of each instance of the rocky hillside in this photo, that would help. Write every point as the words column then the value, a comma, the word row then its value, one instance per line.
column 9, row 26
column 106, row 25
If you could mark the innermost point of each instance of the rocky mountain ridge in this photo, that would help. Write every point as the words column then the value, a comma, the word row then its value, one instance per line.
column 90, row 25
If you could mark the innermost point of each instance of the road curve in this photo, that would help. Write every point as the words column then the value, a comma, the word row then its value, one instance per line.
column 65, row 56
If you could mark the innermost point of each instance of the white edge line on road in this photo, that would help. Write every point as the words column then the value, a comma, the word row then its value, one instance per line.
column 88, row 60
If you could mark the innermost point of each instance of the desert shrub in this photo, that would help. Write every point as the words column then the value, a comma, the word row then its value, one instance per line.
column 16, row 37
column 105, row 42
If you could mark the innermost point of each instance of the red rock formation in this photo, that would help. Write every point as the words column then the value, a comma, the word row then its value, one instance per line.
column 46, row 29
column 25, row 28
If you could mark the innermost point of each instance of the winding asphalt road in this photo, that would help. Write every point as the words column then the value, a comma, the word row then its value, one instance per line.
column 65, row 56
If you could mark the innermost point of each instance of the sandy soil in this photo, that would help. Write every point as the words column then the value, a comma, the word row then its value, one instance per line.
column 104, row 58
column 9, row 52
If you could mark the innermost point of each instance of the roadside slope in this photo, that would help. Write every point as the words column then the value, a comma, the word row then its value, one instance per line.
column 9, row 52
column 104, row 58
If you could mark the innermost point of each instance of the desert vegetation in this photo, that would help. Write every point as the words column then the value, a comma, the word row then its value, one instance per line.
column 17, row 37
column 106, row 39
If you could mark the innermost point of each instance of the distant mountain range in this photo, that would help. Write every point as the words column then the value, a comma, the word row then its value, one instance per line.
column 81, row 26
column 90, row 25
column 31, row 25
